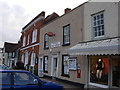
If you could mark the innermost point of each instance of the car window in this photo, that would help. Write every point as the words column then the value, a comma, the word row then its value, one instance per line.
column 5, row 78
column 24, row 79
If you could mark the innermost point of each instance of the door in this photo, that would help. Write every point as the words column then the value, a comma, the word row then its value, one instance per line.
column 55, row 67
column 40, row 67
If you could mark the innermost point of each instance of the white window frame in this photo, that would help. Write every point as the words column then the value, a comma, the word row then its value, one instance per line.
column 26, row 57
column 72, row 64
column 66, row 34
column 28, row 39
column 32, row 59
column 23, row 58
column 98, row 25
column 24, row 40
column 46, row 41
column 34, row 36
column 65, row 65
column 46, row 63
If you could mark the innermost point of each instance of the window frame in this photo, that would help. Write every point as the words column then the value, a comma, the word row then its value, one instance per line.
column 63, row 74
column 24, row 41
column 44, row 64
column 98, row 25
column 75, row 66
column 46, row 41
column 67, row 35
column 32, row 62
column 28, row 39
column 34, row 36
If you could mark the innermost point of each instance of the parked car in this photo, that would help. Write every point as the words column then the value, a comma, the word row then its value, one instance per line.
column 4, row 67
column 18, row 79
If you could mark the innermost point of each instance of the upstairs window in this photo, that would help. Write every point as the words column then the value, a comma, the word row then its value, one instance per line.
column 46, row 41
column 28, row 40
column 98, row 25
column 66, row 35
column 34, row 36
column 24, row 40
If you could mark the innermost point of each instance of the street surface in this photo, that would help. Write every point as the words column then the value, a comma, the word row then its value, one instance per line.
column 66, row 85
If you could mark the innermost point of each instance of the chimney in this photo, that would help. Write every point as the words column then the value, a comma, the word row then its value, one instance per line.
column 67, row 10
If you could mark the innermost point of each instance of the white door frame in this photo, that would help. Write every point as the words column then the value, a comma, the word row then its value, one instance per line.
column 52, row 66
column 40, row 70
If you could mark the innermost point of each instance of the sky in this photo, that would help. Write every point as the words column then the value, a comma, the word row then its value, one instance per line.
column 15, row 14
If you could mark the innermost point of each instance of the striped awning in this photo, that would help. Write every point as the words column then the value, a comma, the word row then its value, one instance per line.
column 101, row 47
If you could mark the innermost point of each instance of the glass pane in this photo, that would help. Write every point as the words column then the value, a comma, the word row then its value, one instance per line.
column 23, row 79
column 98, row 17
column 99, row 71
column 5, row 78
column 102, row 15
column 116, row 71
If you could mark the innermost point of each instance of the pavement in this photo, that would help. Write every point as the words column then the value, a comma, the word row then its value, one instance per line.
column 65, row 85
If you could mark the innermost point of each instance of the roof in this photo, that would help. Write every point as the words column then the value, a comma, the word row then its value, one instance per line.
column 99, row 47
column 51, row 17
column 9, row 46
column 39, row 15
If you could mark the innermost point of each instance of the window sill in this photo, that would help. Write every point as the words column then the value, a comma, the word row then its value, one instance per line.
column 46, row 48
column 45, row 71
column 65, row 75
column 72, row 69
column 68, row 44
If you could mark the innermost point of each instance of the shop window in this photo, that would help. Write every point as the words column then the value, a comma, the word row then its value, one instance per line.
column 65, row 65
column 66, row 35
column 72, row 64
column 99, row 71
column 45, row 63
column 116, row 71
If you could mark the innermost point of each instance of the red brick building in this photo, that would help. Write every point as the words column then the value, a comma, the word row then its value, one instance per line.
column 30, row 40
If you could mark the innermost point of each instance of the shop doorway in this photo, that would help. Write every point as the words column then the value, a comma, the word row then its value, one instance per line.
column 54, row 66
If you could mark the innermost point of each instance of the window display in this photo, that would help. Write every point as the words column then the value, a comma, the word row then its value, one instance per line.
column 99, row 71
column 116, row 72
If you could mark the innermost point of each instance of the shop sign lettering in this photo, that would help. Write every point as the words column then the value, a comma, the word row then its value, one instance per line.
column 55, row 44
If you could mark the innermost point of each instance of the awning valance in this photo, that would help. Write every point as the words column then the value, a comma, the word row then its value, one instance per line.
column 101, row 47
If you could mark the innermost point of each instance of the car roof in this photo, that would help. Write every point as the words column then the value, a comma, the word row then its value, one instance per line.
column 22, row 71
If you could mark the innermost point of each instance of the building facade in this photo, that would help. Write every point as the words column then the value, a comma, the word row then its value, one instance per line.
column 101, row 44
column 30, row 40
column 56, row 36
column 9, row 54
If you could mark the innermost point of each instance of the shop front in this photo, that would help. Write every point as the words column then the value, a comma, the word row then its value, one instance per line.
column 103, row 62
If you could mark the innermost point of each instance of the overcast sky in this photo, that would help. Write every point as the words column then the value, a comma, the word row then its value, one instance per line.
column 15, row 14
